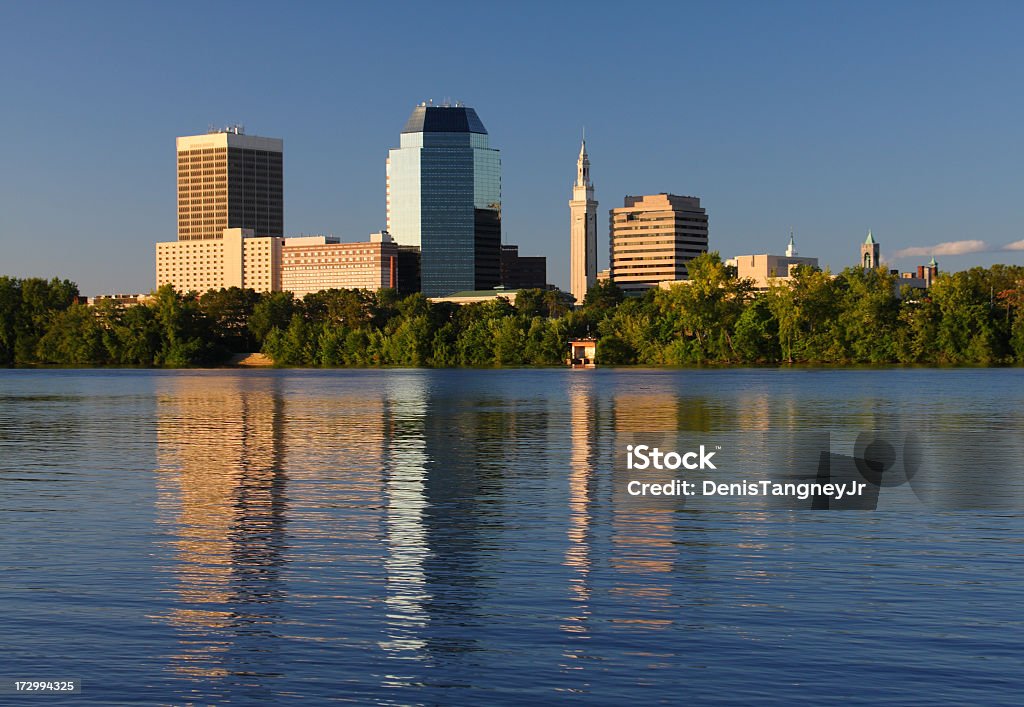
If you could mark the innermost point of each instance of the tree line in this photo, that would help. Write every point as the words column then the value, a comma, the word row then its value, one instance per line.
column 859, row 316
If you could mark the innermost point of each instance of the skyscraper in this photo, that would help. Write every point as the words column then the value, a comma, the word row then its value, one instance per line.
column 653, row 237
column 227, row 179
column 583, row 233
column 444, row 195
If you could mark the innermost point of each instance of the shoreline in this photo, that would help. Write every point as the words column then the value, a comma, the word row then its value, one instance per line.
column 269, row 365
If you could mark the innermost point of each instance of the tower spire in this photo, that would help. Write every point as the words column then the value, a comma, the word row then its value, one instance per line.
column 583, row 164
column 791, row 248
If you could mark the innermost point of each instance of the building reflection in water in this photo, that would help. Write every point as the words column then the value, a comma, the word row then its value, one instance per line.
column 643, row 537
column 657, row 540
column 450, row 456
column 221, row 497
column 405, row 472
column 584, row 454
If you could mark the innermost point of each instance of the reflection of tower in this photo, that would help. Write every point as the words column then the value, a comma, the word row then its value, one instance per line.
column 583, row 436
column 869, row 253
column 221, row 496
column 583, row 233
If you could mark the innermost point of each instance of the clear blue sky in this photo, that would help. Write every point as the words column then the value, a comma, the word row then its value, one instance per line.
column 828, row 117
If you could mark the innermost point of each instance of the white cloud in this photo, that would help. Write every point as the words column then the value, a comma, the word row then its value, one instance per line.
column 1016, row 245
column 949, row 248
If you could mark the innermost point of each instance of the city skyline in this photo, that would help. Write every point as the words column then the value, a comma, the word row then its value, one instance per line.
column 820, row 119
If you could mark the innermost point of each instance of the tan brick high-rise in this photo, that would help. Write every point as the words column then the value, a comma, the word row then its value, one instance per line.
column 653, row 237
column 228, row 179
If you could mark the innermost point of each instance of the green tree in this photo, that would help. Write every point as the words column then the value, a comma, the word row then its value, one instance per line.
column 757, row 334
column 706, row 308
column 73, row 338
column 546, row 343
column 557, row 303
column 603, row 297
column 40, row 299
column 613, row 351
column 806, row 309
column 475, row 344
column 131, row 335
column 868, row 316
column 10, row 315
column 411, row 343
column 274, row 310
column 229, row 310
column 966, row 333
column 508, row 334
column 294, row 346
column 185, row 332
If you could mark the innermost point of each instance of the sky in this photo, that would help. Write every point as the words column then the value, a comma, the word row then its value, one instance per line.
column 828, row 118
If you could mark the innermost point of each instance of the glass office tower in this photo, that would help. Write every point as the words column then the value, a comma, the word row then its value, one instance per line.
column 444, row 196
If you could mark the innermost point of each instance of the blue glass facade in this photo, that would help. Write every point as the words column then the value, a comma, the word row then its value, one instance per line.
column 444, row 195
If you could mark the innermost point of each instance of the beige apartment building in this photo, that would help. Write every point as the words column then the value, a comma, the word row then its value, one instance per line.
column 237, row 259
column 297, row 265
column 315, row 263
column 653, row 237
column 227, row 179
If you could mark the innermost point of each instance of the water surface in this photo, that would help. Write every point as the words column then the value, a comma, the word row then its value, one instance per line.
column 424, row 537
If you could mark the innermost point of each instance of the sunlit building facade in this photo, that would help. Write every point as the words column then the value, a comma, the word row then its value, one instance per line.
column 317, row 263
column 236, row 259
column 763, row 269
column 653, row 237
column 444, row 196
column 227, row 179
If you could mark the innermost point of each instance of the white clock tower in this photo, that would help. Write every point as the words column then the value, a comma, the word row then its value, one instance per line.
column 583, row 246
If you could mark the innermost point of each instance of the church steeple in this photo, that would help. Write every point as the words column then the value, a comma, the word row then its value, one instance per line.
column 791, row 248
column 870, row 253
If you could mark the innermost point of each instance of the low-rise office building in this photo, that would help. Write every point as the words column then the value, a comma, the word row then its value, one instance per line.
column 120, row 299
column 299, row 265
column 764, row 269
column 474, row 296
column 315, row 263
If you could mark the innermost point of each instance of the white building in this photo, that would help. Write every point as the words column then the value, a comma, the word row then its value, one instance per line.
column 765, row 268
column 583, row 233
